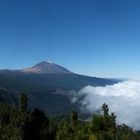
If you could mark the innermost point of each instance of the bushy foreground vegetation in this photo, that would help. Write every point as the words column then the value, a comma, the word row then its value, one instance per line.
column 21, row 124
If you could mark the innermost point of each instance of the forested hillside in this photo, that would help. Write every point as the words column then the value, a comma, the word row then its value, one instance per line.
column 49, row 91
column 20, row 123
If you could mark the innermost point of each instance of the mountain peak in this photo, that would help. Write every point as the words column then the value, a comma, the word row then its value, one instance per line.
column 49, row 61
column 44, row 64
column 46, row 67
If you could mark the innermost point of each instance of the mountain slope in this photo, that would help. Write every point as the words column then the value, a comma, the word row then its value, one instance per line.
column 50, row 87
column 7, row 96
column 41, row 82
column 46, row 67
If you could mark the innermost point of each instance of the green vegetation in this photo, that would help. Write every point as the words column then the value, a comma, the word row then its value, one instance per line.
column 22, row 124
column 50, row 92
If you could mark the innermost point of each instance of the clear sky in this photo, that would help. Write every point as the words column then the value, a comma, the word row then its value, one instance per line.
column 92, row 37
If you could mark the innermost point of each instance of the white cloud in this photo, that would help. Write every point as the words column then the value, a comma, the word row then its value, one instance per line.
column 122, row 98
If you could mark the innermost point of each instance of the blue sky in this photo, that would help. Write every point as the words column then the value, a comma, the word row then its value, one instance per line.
column 92, row 37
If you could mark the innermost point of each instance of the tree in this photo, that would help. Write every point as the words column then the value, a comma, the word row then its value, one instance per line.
column 35, row 126
column 74, row 117
column 105, row 109
column 23, row 103
column 114, row 128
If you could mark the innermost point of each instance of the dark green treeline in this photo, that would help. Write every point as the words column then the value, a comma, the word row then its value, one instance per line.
column 22, row 124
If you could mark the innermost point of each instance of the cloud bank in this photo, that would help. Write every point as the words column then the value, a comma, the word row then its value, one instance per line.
column 122, row 98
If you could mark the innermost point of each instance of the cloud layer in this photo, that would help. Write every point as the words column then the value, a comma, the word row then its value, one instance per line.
column 123, row 99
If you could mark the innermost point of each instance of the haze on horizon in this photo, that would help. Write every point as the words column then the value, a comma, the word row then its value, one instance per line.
column 94, row 37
